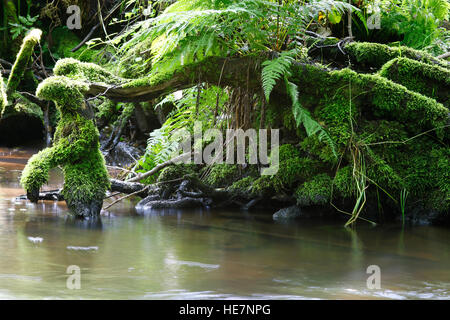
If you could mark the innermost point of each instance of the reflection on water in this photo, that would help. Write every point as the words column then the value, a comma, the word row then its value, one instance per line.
column 205, row 254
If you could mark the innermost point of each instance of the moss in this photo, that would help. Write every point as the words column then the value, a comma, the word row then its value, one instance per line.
column 314, row 192
column 65, row 41
column 376, row 55
column 343, row 182
column 22, row 105
column 430, row 80
column 293, row 169
column 267, row 186
column 68, row 94
column 76, row 149
column 223, row 174
column 22, row 60
column 373, row 96
column 3, row 97
column 84, row 71
column 243, row 187
column 176, row 171
column 106, row 109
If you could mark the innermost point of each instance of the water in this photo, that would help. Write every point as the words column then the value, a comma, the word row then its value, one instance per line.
column 205, row 254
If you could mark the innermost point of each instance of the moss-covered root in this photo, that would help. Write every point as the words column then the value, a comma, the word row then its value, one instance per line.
column 35, row 173
column 3, row 98
column 430, row 80
column 76, row 149
column 23, row 57
column 375, row 54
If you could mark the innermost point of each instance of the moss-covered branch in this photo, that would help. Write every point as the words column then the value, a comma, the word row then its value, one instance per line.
column 375, row 55
column 22, row 60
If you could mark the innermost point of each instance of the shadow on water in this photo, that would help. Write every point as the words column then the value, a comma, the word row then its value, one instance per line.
column 93, row 223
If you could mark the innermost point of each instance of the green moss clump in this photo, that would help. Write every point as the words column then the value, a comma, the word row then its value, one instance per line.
column 376, row 55
column 267, row 186
column 343, row 182
column 243, row 187
column 176, row 171
column 293, row 169
column 84, row 71
column 68, row 94
column 314, row 192
column 430, row 80
column 76, row 149
column 106, row 109
column 222, row 174
column 22, row 60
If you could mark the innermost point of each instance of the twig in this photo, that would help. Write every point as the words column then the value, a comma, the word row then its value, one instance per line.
column 444, row 56
column 126, row 196
column 159, row 167
column 86, row 39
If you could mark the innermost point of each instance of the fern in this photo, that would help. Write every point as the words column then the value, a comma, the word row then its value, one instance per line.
column 302, row 116
column 274, row 70
column 279, row 68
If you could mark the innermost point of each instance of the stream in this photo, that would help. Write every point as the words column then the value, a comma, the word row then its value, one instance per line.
column 201, row 254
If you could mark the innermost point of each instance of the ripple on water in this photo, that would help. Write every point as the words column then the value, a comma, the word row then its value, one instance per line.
column 35, row 239
column 192, row 264
column 92, row 248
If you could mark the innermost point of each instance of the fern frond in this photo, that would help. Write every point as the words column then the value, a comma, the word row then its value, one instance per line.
column 303, row 117
column 276, row 69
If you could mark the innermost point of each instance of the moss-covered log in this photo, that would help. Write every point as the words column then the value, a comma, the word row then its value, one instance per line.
column 375, row 55
column 76, row 149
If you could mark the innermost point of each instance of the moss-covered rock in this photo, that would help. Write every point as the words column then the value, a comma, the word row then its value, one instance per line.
column 76, row 149
column 243, row 187
column 314, row 192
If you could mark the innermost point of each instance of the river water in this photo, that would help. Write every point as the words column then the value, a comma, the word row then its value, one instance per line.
column 205, row 254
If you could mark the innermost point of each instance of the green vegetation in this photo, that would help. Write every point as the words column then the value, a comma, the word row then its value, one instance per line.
column 361, row 122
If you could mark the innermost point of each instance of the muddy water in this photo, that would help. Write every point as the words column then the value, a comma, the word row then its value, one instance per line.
column 205, row 254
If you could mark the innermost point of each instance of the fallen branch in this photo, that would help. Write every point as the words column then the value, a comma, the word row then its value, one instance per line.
column 444, row 56
column 127, row 196
column 160, row 166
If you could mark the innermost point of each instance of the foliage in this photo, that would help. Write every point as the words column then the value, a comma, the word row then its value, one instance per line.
column 417, row 21
column 23, row 25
